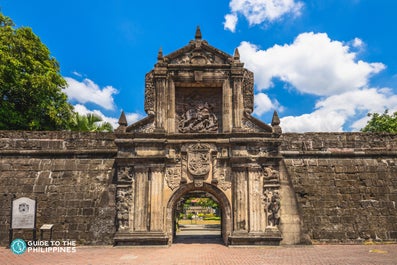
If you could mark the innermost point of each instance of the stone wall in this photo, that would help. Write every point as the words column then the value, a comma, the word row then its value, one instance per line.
column 345, row 184
column 70, row 175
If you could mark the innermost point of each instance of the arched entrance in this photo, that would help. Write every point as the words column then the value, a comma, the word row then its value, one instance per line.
column 199, row 135
column 224, row 205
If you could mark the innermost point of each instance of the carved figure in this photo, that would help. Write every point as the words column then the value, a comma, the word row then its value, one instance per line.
column 199, row 118
column 123, row 205
column 273, row 210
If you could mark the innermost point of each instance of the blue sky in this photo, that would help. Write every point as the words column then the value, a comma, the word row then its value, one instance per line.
column 323, row 65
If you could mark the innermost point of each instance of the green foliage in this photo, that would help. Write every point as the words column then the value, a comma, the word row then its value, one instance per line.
column 381, row 123
column 31, row 96
column 204, row 202
column 89, row 123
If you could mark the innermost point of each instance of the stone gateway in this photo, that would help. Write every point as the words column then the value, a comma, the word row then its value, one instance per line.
column 199, row 135
column 125, row 188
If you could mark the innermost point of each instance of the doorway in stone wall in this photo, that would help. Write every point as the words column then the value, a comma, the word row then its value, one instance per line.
column 199, row 215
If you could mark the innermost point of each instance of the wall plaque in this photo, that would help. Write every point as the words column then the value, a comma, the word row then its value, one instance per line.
column 23, row 213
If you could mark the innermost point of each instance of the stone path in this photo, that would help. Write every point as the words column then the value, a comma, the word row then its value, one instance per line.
column 212, row 253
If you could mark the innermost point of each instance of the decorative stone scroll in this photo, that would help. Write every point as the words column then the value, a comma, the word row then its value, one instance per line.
column 271, row 175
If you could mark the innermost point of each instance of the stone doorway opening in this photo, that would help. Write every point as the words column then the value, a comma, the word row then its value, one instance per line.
column 198, row 218
column 199, row 215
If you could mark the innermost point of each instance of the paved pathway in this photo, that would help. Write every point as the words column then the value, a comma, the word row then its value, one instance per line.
column 212, row 253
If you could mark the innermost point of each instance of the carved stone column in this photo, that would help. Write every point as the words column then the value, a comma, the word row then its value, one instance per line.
column 161, row 102
column 156, row 199
column 238, row 101
column 171, row 107
column 141, row 199
column 226, row 109
column 240, row 202
column 255, row 188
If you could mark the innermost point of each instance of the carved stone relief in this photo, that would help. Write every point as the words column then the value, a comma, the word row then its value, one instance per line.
column 271, row 175
column 198, row 159
column 124, row 195
column 149, row 93
column 198, row 110
column 173, row 177
column 124, row 204
column 221, row 176
column 272, row 196
column 198, row 118
column 147, row 128
column 272, row 199
column 197, row 56
column 248, row 90
column 125, row 174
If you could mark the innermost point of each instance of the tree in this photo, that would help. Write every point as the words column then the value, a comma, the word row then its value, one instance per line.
column 89, row 123
column 381, row 123
column 31, row 96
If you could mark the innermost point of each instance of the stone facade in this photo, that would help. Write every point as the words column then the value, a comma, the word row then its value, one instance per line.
column 199, row 135
column 335, row 187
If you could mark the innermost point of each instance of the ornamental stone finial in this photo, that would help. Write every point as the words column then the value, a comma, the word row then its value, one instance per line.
column 236, row 55
column 160, row 54
column 198, row 35
column 123, row 119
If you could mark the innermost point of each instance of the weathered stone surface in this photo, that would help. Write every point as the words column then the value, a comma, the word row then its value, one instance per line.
column 345, row 184
column 70, row 174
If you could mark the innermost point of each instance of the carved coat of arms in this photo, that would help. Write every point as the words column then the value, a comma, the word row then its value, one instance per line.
column 173, row 177
column 199, row 160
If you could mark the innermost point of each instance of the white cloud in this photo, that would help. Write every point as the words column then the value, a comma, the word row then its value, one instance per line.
column 357, row 43
column 260, row 11
column 264, row 104
column 87, row 91
column 230, row 22
column 313, row 64
column 131, row 117
column 332, row 113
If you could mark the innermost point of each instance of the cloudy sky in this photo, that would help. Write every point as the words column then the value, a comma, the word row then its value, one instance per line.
column 322, row 64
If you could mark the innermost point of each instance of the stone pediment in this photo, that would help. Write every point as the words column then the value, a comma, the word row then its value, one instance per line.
column 199, row 89
column 198, row 52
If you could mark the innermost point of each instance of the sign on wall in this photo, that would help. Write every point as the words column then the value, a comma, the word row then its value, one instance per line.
column 23, row 213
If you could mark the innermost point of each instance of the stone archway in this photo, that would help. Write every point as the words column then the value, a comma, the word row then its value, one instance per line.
column 199, row 135
column 213, row 190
